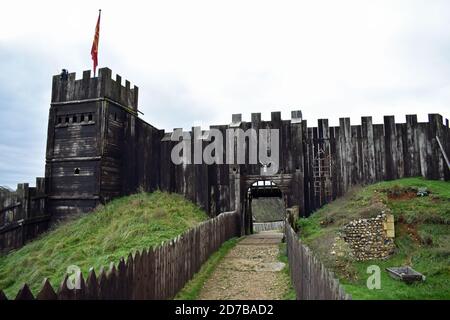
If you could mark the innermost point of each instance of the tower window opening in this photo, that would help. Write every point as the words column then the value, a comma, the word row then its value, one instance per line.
column 82, row 118
column 115, row 116
column 76, row 171
column 67, row 120
column 59, row 120
column 90, row 117
column 74, row 119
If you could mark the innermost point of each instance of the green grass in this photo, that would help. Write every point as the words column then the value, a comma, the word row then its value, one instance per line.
column 422, row 227
column 282, row 257
column 109, row 233
column 192, row 289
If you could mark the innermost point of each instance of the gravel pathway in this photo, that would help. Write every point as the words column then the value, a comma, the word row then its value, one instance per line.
column 250, row 270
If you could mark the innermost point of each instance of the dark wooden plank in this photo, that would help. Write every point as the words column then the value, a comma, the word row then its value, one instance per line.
column 122, row 280
column 103, row 293
column 130, row 292
column 25, row 293
column 64, row 293
column 92, row 290
column 80, row 292
column 47, row 292
column 112, row 282
column 390, row 148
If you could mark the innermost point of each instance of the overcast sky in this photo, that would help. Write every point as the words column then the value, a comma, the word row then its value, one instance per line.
column 197, row 62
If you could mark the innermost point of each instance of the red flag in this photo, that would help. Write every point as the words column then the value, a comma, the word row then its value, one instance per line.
column 94, row 50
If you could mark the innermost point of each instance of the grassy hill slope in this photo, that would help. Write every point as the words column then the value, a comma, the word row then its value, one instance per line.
column 422, row 228
column 122, row 226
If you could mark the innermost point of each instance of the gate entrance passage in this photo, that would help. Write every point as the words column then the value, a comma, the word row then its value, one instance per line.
column 264, row 188
column 264, row 206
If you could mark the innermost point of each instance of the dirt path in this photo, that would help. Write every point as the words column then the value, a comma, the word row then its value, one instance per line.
column 250, row 270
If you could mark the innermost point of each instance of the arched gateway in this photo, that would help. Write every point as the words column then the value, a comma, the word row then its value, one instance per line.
column 262, row 189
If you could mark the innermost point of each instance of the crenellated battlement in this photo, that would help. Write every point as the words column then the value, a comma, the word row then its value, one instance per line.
column 236, row 119
column 322, row 130
column 66, row 88
column 296, row 117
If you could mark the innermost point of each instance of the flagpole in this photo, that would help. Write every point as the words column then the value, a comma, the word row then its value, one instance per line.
column 94, row 49
column 99, row 17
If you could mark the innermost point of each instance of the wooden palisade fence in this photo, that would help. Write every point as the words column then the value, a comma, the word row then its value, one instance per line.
column 23, row 215
column 310, row 279
column 155, row 273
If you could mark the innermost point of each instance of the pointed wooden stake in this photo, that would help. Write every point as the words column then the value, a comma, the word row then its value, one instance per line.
column 64, row 293
column 3, row 296
column 80, row 292
column 91, row 285
column 25, row 293
column 47, row 292
column 102, row 285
